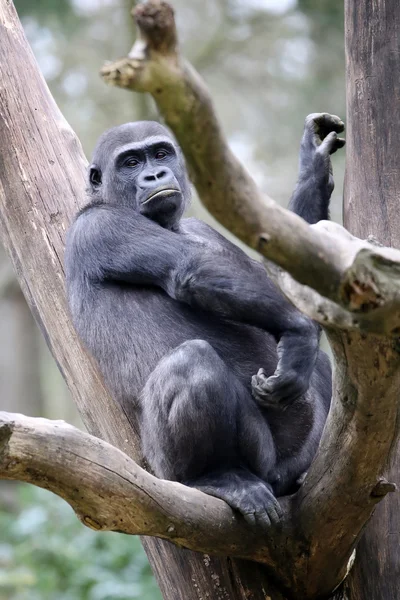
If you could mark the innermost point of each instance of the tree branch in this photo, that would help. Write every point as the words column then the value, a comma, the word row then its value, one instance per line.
column 109, row 491
column 336, row 265
column 369, row 286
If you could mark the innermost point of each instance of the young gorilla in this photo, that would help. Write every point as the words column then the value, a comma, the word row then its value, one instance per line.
column 180, row 320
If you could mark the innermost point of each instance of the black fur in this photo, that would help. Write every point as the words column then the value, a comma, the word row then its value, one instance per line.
column 180, row 320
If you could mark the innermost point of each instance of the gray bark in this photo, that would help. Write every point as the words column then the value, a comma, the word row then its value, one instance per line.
column 371, row 207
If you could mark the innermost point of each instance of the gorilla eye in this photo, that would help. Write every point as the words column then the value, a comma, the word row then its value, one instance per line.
column 161, row 154
column 132, row 162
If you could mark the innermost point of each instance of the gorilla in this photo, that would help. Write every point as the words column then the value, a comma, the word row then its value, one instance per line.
column 222, row 374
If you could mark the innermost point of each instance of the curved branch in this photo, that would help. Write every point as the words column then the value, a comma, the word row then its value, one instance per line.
column 369, row 286
column 337, row 266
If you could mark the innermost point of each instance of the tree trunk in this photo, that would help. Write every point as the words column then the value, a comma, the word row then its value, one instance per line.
column 20, row 388
column 371, row 207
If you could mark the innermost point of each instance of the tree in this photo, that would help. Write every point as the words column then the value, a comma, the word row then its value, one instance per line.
column 350, row 286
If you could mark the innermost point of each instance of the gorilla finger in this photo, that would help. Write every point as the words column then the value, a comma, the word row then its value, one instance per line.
column 338, row 125
column 273, row 515
column 250, row 518
column 340, row 142
column 300, row 480
column 328, row 146
column 263, row 385
column 263, row 520
column 334, row 123
column 279, row 510
column 261, row 377
column 327, row 123
column 286, row 387
column 275, row 512
column 258, row 391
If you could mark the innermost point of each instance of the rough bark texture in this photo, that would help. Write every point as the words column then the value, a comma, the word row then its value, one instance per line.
column 372, row 192
column 42, row 166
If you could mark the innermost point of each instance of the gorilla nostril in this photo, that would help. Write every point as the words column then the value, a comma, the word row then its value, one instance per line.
column 161, row 174
column 150, row 177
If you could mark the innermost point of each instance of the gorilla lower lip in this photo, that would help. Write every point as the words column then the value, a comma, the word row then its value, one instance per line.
column 166, row 192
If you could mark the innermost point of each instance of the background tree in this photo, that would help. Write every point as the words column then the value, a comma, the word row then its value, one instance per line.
column 355, row 277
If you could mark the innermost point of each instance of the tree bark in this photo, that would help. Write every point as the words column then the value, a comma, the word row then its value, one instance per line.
column 371, row 207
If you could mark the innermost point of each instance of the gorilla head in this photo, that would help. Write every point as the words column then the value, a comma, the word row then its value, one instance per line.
column 139, row 165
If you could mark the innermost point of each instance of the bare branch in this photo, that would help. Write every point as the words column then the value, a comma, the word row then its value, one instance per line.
column 369, row 287
column 347, row 475
column 109, row 491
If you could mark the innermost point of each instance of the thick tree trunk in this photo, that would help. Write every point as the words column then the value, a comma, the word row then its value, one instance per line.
column 371, row 207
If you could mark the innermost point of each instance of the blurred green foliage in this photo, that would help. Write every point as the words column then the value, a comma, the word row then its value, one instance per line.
column 47, row 554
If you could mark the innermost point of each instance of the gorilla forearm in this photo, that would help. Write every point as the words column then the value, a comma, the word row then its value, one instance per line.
column 114, row 243
column 238, row 290
column 310, row 199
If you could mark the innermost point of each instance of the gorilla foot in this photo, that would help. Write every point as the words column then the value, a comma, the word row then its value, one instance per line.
column 244, row 492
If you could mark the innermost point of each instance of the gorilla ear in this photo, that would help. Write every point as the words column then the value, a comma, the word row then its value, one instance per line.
column 94, row 176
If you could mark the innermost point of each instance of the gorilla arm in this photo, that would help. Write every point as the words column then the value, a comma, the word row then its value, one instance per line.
column 118, row 244
column 237, row 288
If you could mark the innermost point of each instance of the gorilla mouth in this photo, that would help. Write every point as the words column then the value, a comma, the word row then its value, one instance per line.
column 163, row 192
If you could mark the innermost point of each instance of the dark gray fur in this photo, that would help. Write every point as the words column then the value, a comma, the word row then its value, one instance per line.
column 180, row 320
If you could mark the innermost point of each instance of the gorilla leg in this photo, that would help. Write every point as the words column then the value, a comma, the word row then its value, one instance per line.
column 200, row 426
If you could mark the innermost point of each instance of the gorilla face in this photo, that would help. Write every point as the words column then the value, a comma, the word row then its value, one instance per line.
column 139, row 165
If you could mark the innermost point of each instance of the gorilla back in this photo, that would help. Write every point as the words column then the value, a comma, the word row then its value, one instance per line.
column 223, row 375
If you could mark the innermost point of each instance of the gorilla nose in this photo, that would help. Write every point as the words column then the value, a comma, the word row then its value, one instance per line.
column 155, row 178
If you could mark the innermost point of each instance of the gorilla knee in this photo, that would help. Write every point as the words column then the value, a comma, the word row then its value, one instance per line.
column 189, row 371
column 196, row 350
